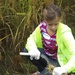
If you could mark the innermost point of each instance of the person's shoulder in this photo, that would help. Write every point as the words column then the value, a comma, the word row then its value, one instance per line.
column 64, row 27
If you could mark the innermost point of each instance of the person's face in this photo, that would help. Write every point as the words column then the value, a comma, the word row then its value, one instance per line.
column 53, row 24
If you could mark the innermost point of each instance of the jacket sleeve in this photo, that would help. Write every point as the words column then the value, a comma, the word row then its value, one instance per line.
column 33, row 39
column 70, row 43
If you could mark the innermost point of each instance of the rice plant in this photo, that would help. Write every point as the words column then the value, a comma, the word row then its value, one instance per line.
column 18, row 18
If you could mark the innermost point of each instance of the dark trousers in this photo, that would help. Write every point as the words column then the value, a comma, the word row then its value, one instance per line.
column 41, row 63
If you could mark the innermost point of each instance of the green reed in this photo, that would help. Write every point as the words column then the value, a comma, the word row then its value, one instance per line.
column 18, row 18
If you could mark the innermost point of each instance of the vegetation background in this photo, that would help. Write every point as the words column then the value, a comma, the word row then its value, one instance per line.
column 18, row 18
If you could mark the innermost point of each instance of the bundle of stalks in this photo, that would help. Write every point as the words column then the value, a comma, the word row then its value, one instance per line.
column 50, row 66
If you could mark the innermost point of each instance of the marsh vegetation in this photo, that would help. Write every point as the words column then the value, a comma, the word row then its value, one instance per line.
column 18, row 18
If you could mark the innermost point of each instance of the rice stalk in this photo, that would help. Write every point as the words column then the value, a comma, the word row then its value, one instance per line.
column 17, row 31
column 4, row 37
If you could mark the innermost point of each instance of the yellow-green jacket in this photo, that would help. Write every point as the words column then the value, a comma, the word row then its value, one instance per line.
column 66, row 45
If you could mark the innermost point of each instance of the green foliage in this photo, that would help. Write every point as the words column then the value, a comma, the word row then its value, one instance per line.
column 18, row 18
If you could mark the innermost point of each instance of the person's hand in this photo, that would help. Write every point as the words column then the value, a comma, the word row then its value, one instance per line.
column 59, row 71
column 34, row 54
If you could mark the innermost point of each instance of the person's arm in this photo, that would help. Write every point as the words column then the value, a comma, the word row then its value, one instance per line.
column 32, row 43
column 70, row 43
column 33, row 39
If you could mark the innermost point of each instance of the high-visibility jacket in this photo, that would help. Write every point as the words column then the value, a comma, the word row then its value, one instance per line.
column 65, row 42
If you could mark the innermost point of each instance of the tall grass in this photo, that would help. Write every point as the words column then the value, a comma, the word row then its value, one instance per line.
column 18, row 18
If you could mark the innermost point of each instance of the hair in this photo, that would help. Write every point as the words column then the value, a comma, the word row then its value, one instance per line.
column 51, row 11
